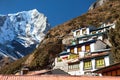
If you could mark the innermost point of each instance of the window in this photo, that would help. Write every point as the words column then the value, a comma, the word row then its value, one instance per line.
column 78, row 33
column 73, row 42
column 99, row 31
column 79, row 49
column 72, row 50
column 87, row 65
column 73, row 67
column 93, row 32
column 77, row 41
column 84, row 31
column 73, row 56
column 70, row 67
column 100, row 63
column 87, row 48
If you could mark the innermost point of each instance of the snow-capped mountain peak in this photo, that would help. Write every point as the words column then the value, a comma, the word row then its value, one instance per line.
column 22, row 31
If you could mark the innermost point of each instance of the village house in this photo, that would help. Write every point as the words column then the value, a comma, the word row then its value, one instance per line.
column 90, row 33
column 89, row 63
column 111, row 70
column 87, row 52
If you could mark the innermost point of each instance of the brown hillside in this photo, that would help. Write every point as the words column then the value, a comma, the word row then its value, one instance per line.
column 44, row 55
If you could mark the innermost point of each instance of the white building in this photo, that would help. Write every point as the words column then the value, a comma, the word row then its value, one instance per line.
column 87, row 53
column 90, row 33
column 86, row 47
column 89, row 63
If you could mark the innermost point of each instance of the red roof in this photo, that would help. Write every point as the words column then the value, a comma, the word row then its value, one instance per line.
column 37, row 72
column 55, row 77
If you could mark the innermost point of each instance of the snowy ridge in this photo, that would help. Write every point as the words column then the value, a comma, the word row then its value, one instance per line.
column 21, row 31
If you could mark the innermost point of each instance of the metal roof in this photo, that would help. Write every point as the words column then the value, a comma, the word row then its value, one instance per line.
column 64, row 53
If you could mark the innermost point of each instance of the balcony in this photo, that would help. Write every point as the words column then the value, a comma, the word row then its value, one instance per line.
column 84, row 54
column 73, row 56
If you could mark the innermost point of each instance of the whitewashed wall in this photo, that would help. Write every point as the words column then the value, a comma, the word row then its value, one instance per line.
column 99, row 45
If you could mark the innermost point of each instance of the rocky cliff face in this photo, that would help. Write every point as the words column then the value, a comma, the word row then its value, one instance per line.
column 97, row 4
column 21, row 32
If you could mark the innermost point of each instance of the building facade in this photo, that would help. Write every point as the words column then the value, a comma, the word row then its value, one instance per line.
column 89, row 63
column 87, row 52
column 112, row 70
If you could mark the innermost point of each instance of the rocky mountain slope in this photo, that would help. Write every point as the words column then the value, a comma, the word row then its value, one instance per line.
column 44, row 55
column 21, row 32
column 97, row 4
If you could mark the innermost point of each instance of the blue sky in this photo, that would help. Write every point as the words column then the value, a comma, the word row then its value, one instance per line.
column 57, row 11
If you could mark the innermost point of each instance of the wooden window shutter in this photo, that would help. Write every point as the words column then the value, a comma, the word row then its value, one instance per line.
column 79, row 49
column 78, row 33
column 87, row 48
column 72, row 50
column 100, row 63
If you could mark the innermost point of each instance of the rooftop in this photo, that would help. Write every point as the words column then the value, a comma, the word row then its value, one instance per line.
column 91, row 41
column 102, row 50
column 64, row 53
column 109, row 68
column 95, row 55
column 89, row 35
column 90, row 27
column 101, row 28
column 55, row 77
